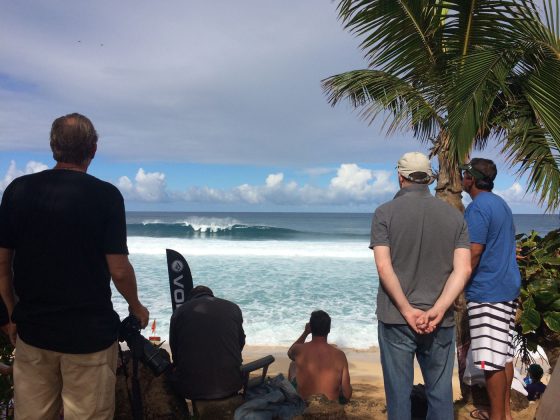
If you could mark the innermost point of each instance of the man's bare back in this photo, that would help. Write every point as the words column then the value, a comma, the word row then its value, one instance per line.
column 320, row 368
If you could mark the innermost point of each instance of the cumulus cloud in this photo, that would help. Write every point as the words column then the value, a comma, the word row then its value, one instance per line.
column 516, row 194
column 361, row 184
column 352, row 185
column 147, row 186
column 274, row 180
column 13, row 172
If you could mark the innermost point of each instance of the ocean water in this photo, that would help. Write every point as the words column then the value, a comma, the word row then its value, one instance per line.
column 278, row 267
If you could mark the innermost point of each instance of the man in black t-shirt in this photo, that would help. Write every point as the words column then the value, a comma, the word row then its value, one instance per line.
column 206, row 338
column 62, row 239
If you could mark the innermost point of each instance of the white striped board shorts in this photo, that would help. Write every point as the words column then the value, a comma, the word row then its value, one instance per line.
column 492, row 326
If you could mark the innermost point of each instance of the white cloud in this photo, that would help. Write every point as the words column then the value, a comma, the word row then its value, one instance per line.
column 13, row 172
column 361, row 184
column 516, row 194
column 352, row 185
column 248, row 194
column 274, row 180
column 351, row 177
column 148, row 186
column 125, row 185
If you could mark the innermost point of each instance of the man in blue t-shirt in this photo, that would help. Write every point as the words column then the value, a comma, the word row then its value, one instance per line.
column 494, row 285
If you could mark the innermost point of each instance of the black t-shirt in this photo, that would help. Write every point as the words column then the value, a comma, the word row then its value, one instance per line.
column 61, row 224
column 206, row 338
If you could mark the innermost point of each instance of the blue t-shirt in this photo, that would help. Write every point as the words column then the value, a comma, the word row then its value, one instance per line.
column 497, row 278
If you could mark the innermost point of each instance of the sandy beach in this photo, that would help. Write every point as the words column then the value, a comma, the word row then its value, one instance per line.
column 368, row 399
column 365, row 367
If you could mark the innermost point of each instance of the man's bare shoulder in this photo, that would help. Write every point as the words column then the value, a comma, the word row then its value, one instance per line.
column 339, row 353
column 335, row 353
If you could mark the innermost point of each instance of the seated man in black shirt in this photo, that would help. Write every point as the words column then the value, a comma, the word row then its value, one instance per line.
column 206, row 338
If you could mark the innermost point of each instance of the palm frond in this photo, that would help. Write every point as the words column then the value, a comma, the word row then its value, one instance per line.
column 475, row 91
column 542, row 89
column 460, row 73
column 532, row 150
column 552, row 16
column 536, row 35
column 474, row 24
column 374, row 91
column 512, row 91
column 398, row 35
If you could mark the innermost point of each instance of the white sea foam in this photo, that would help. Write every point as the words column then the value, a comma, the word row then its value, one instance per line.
column 265, row 248
column 275, row 292
column 201, row 224
column 152, row 222
column 276, row 283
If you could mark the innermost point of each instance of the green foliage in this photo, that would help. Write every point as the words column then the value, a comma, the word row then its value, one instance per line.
column 459, row 74
column 539, row 263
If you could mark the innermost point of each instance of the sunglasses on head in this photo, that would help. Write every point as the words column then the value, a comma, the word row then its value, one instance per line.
column 471, row 171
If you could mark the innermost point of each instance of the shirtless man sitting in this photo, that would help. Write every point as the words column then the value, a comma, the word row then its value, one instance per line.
column 318, row 367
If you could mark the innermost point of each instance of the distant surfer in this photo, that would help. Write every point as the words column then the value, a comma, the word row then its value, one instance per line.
column 318, row 367
column 63, row 233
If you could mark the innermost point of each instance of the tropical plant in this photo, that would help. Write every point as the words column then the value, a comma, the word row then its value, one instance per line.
column 538, row 320
column 511, row 92
column 460, row 73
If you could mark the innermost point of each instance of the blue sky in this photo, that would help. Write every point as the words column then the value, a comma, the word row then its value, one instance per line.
column 202, row 106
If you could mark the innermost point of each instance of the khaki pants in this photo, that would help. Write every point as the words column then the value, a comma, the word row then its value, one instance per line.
column 45, row 381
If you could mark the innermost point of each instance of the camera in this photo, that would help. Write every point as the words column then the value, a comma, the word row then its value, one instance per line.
column 140, row 347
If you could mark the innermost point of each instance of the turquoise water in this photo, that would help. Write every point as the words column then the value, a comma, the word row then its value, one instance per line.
column 277, row 267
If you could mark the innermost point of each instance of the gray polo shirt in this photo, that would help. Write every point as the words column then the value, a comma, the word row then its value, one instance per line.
column 423, row 233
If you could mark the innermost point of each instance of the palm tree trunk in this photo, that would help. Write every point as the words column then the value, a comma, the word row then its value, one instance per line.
column 449, row 189
column 449, row 186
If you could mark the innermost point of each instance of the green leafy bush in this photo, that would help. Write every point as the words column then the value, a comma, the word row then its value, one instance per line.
column 538, row 320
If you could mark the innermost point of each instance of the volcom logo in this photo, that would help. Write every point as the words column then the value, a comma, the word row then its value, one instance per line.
column 177, row 266
column 179, row 292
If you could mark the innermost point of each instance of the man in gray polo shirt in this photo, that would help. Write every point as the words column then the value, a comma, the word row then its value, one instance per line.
column 421, row 249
